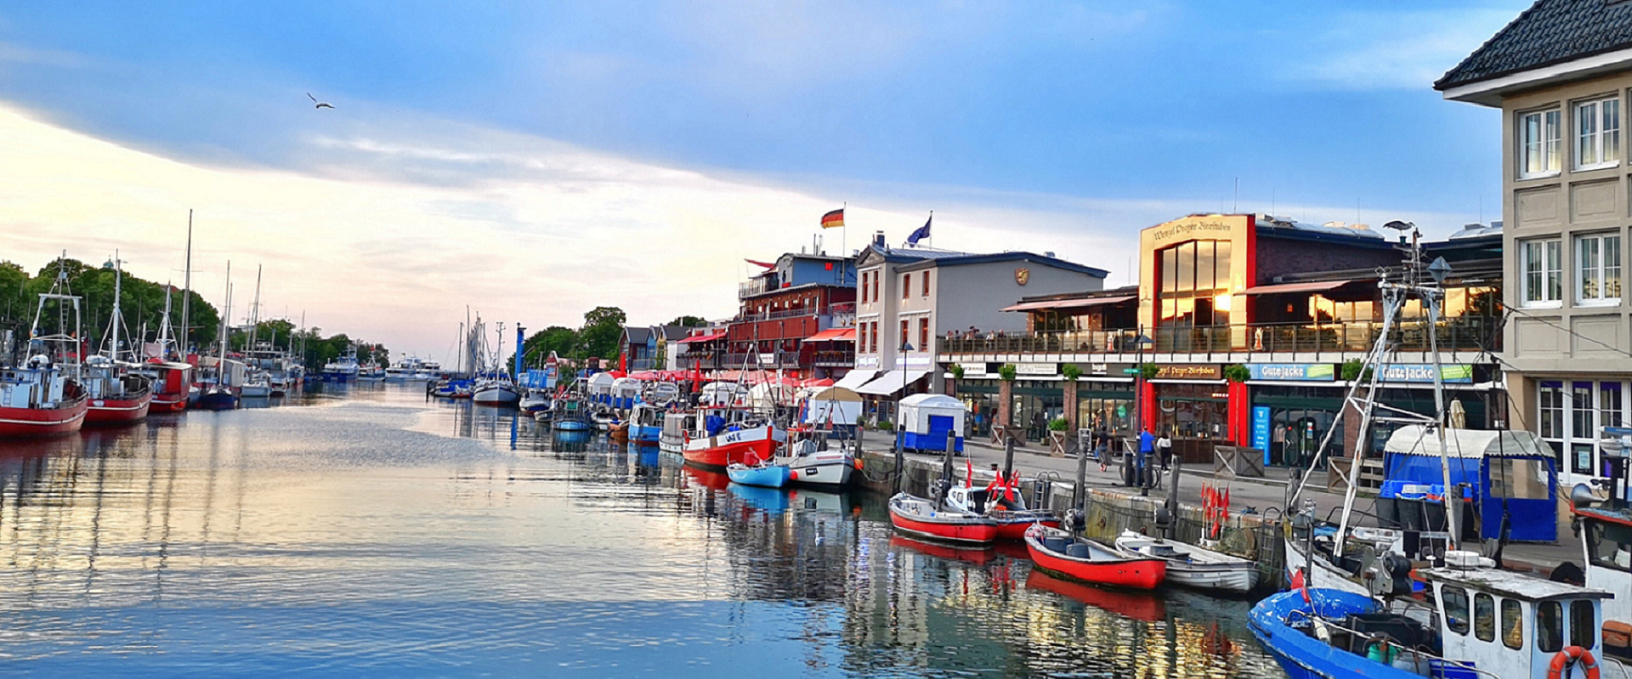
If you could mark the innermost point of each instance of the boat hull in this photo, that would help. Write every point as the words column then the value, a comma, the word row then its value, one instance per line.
column 1133, row 573
column 645, row 434
column 745, row 446
column 1326, row 575
column 822, row 469
column 572, row 425
column 1015, row 527
column 167, row 403
column 953, row 527
column 117, row 411
column 771, row 476
column 218, row 400
column 1303, row 656
column 38, row 422
column 495, row 396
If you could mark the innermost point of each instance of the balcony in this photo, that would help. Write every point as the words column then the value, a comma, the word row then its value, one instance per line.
column 757, row 286
column 766, row 361
column 833, row 358
column 1334, row 341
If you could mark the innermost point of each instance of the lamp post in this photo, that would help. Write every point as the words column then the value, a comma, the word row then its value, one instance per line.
column 906, row 352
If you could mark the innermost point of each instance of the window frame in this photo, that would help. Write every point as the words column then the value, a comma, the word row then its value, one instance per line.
column 1606, row 242
column 906, row 285
column 1585, row 636
column 1451, row 622
column 1549, row 146
column 1545, row 633
column 926, row 284
column 1550, row 273
column 1599, row 134
column 1511, row 614
column 1484, row 616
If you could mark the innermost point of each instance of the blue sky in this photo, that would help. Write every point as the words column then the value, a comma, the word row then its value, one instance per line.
column 1071, row 124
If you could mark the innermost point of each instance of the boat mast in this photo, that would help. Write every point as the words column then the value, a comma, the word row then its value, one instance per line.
column 255, row 310
column 187, row 290
column 226, row 320
column 116, row 319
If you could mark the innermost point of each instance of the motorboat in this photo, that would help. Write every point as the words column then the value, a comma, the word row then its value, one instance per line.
column 258, row 385
column 1194, row 566
column 1063, row 554
column 343, row 368
column 726, row 435
column 810, row 466
column 494, row 392
column 535, row 400
column 646, row 423
column 676, row 426
column 1004, row 505
column 919, row 517
column 116, row 394
column 762, row 475
column 171, row 383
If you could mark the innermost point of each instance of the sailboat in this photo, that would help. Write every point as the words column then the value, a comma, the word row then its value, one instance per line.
column 222, row 393
column 43, row 396
column 118, row 395
column 496, row 388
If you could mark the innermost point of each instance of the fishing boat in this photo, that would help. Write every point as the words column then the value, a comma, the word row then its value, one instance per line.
column 725, row 436
column 1192, row 566
column 1003, row 504
column 918, row 517
column 494, row 392
column 676, row 426
column 1061, row 553
column 116, row 395
column 342, row 369
column 762, row 475
column 646, row 423
column 257, row 385
column 172, row 381
column 570, row 414
column 1603, row 512
column 39, row 399
column 535, row 400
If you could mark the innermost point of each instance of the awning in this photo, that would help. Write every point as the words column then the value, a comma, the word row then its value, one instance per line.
column 1318, row 286
column 1079, row 303
column 891, row 382
column 855, row 378
column 833, row 335
column 701, row 338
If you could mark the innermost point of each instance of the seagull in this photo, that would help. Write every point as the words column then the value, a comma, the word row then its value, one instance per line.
column 320, row 104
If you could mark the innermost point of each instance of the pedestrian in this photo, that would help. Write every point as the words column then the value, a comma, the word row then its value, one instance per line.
column 1102, row 445
column 1147, row 445
column 1164, row 446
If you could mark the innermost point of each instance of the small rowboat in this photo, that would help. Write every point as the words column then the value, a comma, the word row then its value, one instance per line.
column 1058, row 552
column 918, row 517
column 764, row 476
column 1193, row 566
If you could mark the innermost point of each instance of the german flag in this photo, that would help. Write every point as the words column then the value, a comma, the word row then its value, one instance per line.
column 833, row 219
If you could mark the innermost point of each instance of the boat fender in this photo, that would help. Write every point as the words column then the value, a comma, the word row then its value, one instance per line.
column 793, row 475
column 1567, row 658
column 858, row 464
column 1321, row 631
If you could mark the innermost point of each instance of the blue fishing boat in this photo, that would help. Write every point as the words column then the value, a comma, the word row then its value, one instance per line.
column 764, row 476
column 646, row 423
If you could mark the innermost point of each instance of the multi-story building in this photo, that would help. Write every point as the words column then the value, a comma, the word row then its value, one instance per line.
column 792, row 317
column 909, row 298
column 1291, row 302
column 1560, row 73
column 645, row 347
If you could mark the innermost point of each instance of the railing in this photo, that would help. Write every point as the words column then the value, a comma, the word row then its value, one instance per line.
column 834, row 358
column 776, row 315
column 752, row 361
column 1474, row 333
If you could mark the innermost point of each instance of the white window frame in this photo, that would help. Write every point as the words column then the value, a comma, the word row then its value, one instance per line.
column 1594, row 135
column 1547, row 147
column 1551, row 267
column 1604, row 245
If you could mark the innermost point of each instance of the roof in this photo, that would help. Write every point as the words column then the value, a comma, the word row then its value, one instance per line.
column 856, row 378
column 933, row 401
column 891, row 382
column 833, row 335
column 637, row 334
column 1316, row 286
column 1510, row 584
column 1415, row 439
column 926, row 258
column 674, row 332
column 1550, row 32
column 1077, row 303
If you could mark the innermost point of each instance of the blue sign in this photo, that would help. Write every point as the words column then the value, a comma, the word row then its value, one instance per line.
column 1424, row 372
column 1260, row 430
column 1318, row 372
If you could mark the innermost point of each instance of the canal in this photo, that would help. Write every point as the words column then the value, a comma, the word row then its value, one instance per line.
column 376, row 533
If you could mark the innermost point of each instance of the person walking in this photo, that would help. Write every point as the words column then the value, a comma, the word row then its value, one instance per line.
column 1164, row 447
column 1147, row 445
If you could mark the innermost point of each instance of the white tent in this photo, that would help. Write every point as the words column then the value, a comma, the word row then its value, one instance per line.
column 833, row 405
column 1468, row 443
column 724, row 393
column 625, row 387
column 600, row 384
column 927, row 420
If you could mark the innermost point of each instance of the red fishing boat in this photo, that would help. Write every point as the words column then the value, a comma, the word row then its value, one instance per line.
column 1060, row 553
column 39, row 400
column 720, row 442
column 171, row 384
column 1002, row 502
column 918, row 517
column 115, row 396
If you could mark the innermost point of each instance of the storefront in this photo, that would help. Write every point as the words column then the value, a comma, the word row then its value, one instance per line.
column 1106, row 405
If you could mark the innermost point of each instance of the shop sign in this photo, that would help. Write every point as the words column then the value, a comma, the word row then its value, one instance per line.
column 869, row 362
column 1189, row 372
column 1322, row 372
column 1424, row 372
column 1260, row 430
column 919, row 361
column 1036, row 369
column 973, row 369
column 1098, row 369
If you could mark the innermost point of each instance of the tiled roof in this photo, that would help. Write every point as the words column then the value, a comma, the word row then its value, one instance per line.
column 1550, row 32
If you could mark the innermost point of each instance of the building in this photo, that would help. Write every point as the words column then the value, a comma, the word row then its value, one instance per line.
column 1560, row 73
column 911, row 298
column 786, row 315
column 1291, row 303
column 645, row 347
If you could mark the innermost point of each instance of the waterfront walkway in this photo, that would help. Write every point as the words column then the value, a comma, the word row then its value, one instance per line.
column 1256, row 494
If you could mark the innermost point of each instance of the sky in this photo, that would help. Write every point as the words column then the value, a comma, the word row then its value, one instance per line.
column 533, row 160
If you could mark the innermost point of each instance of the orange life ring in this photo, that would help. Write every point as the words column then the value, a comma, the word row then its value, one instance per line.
column 1570, row 656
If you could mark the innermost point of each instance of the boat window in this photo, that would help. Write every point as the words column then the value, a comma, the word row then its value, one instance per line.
column 1609, row 545
column 1583, row 624
column 1549, row 627
column 1456, row 609
column 1512, row 624
column 1484, row 617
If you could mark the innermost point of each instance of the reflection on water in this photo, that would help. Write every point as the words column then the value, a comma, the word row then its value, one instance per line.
column 377, row 533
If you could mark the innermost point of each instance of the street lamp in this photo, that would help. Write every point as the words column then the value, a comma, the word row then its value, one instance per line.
column 906, row 352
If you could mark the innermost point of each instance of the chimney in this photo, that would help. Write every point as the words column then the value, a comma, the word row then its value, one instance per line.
column 878, row 239
column 1049, row 254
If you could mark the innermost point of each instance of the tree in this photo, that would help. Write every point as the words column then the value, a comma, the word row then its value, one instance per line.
column 603, row 327
column 688, row 321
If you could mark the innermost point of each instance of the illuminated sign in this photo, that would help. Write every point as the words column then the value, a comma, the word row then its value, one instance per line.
column 1311, row 372
column 1189, row 372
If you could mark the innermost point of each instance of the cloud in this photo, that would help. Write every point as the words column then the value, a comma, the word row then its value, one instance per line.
column 17, row 54
column 1376, row 51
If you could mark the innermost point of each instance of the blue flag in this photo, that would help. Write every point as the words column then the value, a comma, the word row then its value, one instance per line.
column 921, row 233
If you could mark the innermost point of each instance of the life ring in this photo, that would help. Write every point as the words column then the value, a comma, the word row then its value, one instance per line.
column 1570, row 656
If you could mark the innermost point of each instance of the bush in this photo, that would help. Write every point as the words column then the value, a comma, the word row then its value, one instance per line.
column 1008, row 372
column 1351, row 370
column 1071, row 371
column 957, row 371
column 1237, row 373
column 1148, row 371
column 884, row 425
column 1057, row 424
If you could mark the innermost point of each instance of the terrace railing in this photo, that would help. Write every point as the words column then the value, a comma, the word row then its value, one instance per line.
column 1472, row 333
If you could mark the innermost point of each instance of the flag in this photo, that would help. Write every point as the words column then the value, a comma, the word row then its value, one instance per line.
column 921, row 233
column 768, row 265
column 833, row 219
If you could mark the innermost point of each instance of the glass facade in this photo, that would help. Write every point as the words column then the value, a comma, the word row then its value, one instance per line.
column 1193, row 411
column 1194, row 285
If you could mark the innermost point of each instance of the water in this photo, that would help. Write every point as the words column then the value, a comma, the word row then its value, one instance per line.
column 379, row 534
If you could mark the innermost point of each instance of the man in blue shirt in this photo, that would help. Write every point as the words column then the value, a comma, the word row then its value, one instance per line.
column 1147, row 445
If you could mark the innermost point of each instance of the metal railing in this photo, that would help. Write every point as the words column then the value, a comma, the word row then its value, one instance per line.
column 1471, row 333
column 834, row 358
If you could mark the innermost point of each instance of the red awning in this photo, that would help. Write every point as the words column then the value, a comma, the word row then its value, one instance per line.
column 1079, row 303
column 833, row 335
column 701, row 338
column 1318, row 286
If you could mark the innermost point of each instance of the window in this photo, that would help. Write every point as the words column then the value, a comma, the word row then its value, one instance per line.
column 1484, row 617
column 926, row 283
column 1541, row 272
column 1598, row 133
column 1456, row 609
column 923, row 334
column 1195, row 284
column 1609, row 545
column 864, row 275
column 1549, row 626
column 1512, row 625
column 1539, row 143
column 875, row 290
column 1583, row 624
column 875, row 329
column 1582, row 430
column 906, row 286
column 1598, row 269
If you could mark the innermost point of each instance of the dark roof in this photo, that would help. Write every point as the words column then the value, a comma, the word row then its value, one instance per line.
column 1550, row 32
column 675, row 332
column 1086, row 294
column 637, row 334
column 943, row 258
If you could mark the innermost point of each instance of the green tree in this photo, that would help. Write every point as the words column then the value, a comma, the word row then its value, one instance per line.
column 688, row 321
column 603, row 326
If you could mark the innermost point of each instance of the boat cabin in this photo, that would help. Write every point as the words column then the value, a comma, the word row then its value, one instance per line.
column 31, row 388
column 1510, row 625
column 979, row 500
column 1604, row 519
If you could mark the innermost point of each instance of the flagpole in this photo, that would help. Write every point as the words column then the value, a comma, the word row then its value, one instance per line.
column 844, row 234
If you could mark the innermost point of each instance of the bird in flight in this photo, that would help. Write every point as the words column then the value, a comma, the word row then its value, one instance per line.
column 320, row 104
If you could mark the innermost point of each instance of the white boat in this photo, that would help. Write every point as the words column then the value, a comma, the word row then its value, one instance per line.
column 259, row 385
column 1194, row 566
column 823, row 468
column 536, row 400
column 494, row 392
column 675, row 426
column 342, row 369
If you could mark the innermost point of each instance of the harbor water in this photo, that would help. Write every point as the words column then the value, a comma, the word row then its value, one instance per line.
column 374, row 533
